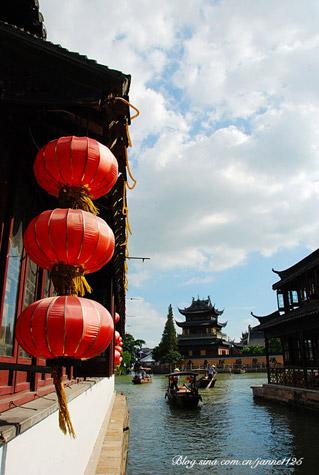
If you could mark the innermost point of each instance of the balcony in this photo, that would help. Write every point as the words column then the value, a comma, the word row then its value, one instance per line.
column 295, row 376
column 196, row 335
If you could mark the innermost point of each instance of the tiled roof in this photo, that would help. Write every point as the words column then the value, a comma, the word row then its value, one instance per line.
column 54, row 49
column 305, row 310
column 308, row 263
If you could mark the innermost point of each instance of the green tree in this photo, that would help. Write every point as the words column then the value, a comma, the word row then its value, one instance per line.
column 253, row 350
column 132, row 346
column 167, row 350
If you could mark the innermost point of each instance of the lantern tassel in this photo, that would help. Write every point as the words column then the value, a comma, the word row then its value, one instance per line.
column 64, row 415
column 77, row 198
column 87, row 205
column 69, row 280
column 82, row 285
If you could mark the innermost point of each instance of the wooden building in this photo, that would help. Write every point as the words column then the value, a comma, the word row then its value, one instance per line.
column 48, row 92
column 202, row 335
column 296, row 324
column 253, row 336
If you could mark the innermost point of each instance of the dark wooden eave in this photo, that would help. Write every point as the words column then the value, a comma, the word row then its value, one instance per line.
column 266, row 318
column 202, row 323
column 307, row 310
column 30, row 54
column 291, row 273
column 202, row 341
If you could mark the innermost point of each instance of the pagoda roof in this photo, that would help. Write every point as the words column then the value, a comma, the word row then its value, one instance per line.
column 200, row 306
column 201, row 323
column 289, row 274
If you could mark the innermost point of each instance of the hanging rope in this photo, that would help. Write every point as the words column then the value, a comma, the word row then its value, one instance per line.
column 126, row 270
column 127, row 232
column 131, row 186
column 128, row 229
column 129, row 141
column 117, row 98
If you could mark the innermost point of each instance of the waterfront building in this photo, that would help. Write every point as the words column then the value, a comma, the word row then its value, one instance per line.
column 202, row 337
column 146, row 357
column 48, row 92
column 296, row 324
column 253, row 336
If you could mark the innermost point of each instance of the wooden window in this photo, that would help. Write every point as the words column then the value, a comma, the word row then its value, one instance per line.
column 203, row 352
column 30, row 289
column 280, row 300
column 190, row 353
column 11, row 292
column 308, row 344
column 294, row 351
column 222, row 352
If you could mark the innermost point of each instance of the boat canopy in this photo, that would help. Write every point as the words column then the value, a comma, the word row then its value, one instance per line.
column 182, row 373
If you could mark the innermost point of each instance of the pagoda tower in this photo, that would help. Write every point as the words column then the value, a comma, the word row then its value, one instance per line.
column 202, row 336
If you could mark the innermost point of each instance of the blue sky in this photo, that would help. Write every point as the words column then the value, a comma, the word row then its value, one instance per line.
column 225, row 150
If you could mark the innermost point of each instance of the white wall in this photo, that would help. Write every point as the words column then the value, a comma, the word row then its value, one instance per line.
column 45, row 450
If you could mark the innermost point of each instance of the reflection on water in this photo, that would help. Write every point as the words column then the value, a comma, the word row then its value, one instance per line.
column 228, row 425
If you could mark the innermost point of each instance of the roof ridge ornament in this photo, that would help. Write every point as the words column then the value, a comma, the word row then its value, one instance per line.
column 278, row 272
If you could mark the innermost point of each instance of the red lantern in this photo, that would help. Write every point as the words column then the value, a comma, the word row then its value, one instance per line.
column 66, row 326
column 76, row 162
column 119, row 348
column 117, row 336
column 117, row 317
column 70, row 237
column 117, row 358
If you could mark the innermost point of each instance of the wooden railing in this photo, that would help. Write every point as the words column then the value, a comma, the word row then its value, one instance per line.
column 295, row 376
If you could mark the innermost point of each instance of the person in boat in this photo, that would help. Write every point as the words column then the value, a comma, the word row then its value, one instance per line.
column 211, row 371
column 175, row 380
column 137, row 366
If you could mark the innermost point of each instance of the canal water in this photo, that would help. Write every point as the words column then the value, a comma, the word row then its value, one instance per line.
column 228, row 434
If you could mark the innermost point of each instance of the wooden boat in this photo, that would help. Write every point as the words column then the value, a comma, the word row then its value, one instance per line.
column 182, row 390
column 239, row 370
column 207, row 381
column 142, row 376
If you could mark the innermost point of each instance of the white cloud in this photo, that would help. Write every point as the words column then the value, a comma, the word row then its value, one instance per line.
column 198, row 280
column 139, row 277
column 226, row 147
column 144, row 322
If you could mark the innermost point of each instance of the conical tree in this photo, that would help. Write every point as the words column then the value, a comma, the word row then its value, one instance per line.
column 167, row 350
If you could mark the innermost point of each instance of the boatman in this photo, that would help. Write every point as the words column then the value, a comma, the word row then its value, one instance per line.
column 211, row 371
column 175, row 379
